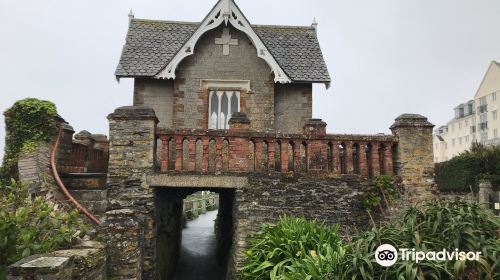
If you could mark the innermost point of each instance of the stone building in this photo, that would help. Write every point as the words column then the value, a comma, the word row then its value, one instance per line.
column 225, row 106
column 474, row 121
column 196, row 75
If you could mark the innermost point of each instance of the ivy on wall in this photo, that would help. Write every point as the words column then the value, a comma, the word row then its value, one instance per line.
column 28, row 123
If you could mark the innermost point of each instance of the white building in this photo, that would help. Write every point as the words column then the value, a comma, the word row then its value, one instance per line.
column 474, row 121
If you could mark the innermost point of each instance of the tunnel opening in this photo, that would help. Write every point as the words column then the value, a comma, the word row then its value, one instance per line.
column 194, row 240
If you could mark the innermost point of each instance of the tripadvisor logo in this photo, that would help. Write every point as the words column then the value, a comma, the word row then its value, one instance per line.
column 386, row 255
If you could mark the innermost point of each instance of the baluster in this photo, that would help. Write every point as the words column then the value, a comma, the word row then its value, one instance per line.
column 375, row 159
column 363, row 161
column 270, row 155
column 349, row 163
column 164, row 154
column 192, row 154
column 178, row 153
column 336, row 158
column 297, row 157
column 258, row 155
column 218, row 154
column 284, row 156
column 204, row 158
column 388, row 165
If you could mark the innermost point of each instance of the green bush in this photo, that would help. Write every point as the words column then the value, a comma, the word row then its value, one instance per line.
column 458, row 174
column 437, row 226
column 32, row 226
column 28, row 122
column 464, row 171
column 293, row 249
column 298, row 249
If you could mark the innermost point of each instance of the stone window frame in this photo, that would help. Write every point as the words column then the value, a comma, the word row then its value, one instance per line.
column 220, row 93
column 207, row 86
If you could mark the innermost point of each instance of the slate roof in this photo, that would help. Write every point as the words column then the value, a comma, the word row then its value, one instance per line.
column 151, row 44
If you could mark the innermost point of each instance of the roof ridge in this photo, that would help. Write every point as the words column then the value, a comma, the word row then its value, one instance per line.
column 166, row 21
column 284, row 26
column 197, row 23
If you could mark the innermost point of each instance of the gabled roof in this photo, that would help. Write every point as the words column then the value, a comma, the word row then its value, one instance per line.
column 153, row 47
column 491, row 80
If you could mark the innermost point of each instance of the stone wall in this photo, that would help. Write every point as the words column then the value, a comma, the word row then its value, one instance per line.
column 168, row 206
column 292, row 107
column 84, row 261
column 90, row 190
column 157, row 94
column 35, row 171
column 143, row 225
column 208, row 62
column 264, row 200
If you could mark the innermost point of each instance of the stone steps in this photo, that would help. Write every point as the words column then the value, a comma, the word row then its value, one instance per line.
column 90, row 190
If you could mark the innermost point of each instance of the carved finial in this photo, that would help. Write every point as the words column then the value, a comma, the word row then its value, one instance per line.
column 130, row 15
column 226, row 10
column 314, row 24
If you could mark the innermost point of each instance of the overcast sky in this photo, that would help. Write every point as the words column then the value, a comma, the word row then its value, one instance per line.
column 386, row 57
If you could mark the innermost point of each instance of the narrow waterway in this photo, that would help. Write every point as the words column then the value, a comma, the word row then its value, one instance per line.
column 198, row 260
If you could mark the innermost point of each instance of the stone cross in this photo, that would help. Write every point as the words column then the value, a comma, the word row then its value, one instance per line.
column 226, row 41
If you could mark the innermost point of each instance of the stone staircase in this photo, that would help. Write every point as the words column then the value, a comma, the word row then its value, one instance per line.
column 89, row 189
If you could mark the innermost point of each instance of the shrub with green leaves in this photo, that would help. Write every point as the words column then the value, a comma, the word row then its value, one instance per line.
column 464, row 172
column 28, row 122
column 438, row 225
column 32, row 226
column 293, row 249
column 381, row 192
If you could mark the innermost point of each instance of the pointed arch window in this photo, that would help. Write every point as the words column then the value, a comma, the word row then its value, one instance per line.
column 222, row 104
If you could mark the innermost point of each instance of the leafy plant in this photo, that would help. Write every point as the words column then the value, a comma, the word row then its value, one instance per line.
column 465, row 171
column 438, row 225
column 28, row 122
column 32, row 226
column 381, row 194
column 293, row 249
column 298, row 249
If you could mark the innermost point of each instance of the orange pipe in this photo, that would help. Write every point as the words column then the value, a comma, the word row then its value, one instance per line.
column 61, row 184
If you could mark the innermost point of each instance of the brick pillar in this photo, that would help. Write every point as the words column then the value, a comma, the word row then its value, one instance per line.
column 101, row 142
column 388, row 169
column 363, row 161
column 375, row 159
column 129, row 224
column 414, row 156
column 238, row 146
column 317, row 156
column 86, row 139
column 65, row 147
column 349, row 161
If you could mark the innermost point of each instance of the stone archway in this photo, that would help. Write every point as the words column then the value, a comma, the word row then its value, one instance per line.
column 172, row 260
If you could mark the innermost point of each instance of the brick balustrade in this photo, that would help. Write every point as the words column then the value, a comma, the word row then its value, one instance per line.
column 245, row 151
column 86, row 153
